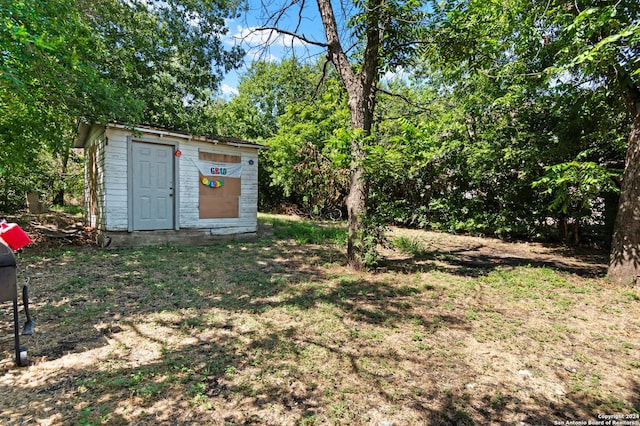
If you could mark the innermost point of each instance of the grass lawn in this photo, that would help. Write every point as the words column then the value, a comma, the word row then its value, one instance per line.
column 450, row 330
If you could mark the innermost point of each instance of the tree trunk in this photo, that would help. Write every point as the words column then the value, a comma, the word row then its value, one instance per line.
column 563, row 228
column 361, row 92
column 58, row 198
column 611, row 202
column 357, row 210
column 624, row 264
column 361, row 119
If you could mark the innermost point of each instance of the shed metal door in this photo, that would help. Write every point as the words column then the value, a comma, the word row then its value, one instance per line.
column 152, row 189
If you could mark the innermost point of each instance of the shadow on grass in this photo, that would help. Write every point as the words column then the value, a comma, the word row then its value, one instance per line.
column 79, row 307
column 194, row 384
column 474, row 262
column 188, row 376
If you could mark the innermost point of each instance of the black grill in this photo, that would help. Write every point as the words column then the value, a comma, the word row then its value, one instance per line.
column 9, row 293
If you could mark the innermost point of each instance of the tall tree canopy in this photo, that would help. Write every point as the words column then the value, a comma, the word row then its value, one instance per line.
column 168, row 54
column 603, row 42
column 374, row 36
column 106, row 60
column 525, row 106
column 588, row 43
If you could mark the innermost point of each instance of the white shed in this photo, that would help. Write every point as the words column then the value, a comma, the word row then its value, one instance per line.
column 155, row 186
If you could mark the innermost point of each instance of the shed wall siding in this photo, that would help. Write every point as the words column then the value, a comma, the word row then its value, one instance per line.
column 94, row 197
column 115, row 184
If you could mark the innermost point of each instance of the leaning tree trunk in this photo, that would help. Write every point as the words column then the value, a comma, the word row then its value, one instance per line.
column 624, row 264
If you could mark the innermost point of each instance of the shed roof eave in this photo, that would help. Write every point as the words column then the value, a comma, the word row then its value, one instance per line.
column 85, row 130
column 83, row 133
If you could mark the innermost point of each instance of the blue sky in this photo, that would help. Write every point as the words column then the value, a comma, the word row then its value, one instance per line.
column 268, row 44
column 272, row 46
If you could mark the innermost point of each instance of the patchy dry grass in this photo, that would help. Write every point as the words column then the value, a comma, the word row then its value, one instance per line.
column 448, row 331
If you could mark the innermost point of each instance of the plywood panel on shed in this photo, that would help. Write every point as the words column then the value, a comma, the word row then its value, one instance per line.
column 222, row 202
column 219, row 158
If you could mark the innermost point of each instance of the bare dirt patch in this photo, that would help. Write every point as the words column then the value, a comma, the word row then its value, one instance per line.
column 54, row 230
column 457, row 330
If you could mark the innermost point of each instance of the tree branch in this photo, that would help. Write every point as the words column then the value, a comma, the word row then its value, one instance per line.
column 405, row 99
column 301, row 37
column 497, row 77
column 322, row 77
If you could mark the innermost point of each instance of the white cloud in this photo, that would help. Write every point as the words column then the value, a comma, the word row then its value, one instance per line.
column 399, row 74
column 389, row 76
column 262, row 55
column 228, row 90
column 259, row 45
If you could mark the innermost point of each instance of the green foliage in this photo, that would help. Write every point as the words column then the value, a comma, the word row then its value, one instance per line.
column 41, row 176
column 308, row 232
column 496, row 113
column 442, row 174
column 511, row 109
column 408, row 245
column 161, row 57
column 467, row 163
column 44, row 82
column 307, row 160
column 602, row 36
column 64, row 61
column 400, row 22
column 372, row 236
column 265, row 92
column 575, row 184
